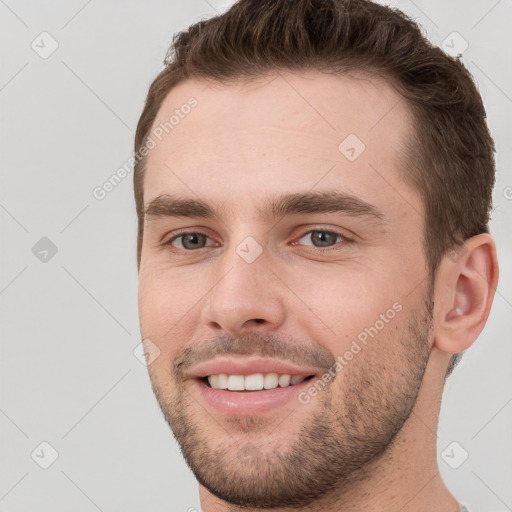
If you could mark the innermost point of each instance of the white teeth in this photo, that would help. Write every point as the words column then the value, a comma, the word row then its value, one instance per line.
column 271, row 381
column 222, row 382
column 253, row 382
column 284, row 380
column 296, row 379
column 236, row 383
column 214, row 381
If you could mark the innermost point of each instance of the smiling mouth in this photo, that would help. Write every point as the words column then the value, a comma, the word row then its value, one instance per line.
column 253, row 382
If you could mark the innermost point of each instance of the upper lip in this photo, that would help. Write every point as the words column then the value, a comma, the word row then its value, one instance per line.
column 248, row 366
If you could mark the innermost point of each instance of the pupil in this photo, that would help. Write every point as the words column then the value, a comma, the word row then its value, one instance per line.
column 193, row 240
column 323, row 238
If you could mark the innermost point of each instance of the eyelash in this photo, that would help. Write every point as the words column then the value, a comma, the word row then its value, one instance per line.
column 180, row 234
column 345, row 240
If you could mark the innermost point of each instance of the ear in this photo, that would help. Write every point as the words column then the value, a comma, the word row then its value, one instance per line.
column 465, row 285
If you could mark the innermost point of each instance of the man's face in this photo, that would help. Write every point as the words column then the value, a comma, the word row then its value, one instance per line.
column 305, row 261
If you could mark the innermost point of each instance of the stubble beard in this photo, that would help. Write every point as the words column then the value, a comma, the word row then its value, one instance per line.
column 344, row 433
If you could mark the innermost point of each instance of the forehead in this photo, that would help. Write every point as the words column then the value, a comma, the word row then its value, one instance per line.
column 285, row 132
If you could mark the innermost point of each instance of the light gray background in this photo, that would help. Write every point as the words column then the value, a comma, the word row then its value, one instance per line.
column 68, row 374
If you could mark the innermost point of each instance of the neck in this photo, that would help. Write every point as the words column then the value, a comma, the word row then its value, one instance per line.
column 405, row 478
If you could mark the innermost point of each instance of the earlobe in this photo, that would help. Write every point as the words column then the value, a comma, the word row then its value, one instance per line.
column 465, row 289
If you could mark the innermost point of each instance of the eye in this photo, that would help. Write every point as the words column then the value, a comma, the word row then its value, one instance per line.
column 190, row 241
column 321, row 238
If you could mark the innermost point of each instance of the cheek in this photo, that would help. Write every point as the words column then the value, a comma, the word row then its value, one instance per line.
column 346, row 305
column 163, row 310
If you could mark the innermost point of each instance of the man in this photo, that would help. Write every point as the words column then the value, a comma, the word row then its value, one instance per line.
column 313, row 186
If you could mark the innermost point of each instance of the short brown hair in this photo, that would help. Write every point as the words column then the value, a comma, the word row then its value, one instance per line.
column 449, row 158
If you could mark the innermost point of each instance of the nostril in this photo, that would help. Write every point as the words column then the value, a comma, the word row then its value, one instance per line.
column 259, row 320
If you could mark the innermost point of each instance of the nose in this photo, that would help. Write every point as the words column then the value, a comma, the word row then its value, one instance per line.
column 244, row 297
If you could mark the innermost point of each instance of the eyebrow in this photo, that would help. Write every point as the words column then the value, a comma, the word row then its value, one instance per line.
column 289, row 204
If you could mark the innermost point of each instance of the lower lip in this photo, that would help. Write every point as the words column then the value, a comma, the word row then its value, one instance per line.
column 249, row 402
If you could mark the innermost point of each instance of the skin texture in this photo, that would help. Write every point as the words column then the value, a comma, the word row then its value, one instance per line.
column 366, row 441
